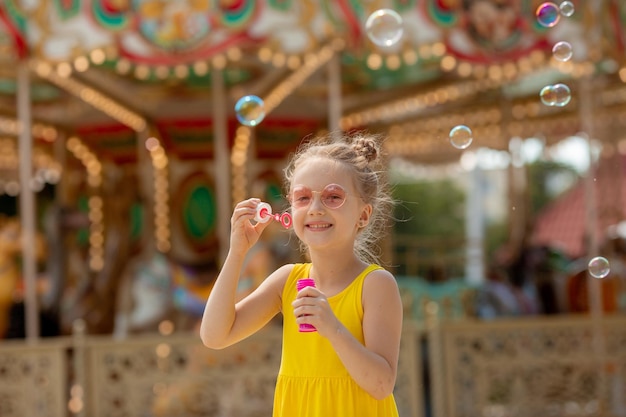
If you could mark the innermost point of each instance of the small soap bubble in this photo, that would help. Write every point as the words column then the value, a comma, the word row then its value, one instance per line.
column 250, row 110
column 384, row 27
column 548, row 14
column 461, row 136
column 562, row 51
column 547, row 95
column 557, row 95
column 567, row 8
column 599, row 267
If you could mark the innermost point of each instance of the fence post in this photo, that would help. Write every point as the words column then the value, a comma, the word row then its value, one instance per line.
column 436, row 366
column 413, row 335
column 78, row 401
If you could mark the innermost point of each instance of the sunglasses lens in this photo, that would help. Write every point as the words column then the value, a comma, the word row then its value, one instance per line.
column 333, row 196
column 301, row 197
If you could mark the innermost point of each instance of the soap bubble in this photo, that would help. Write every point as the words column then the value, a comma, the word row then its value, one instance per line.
column 567, row 8
column 250, row 110
column 384, row 27
column 547, row 95
column 563, row 94
column 557, row 95
column 548, row 14
column 599, row 267
column 562, row 51
column 461, row 136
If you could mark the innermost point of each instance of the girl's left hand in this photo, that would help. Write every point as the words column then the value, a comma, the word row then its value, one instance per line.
column 311, row 307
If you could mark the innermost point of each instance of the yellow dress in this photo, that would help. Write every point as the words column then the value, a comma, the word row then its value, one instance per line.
column 312, row 381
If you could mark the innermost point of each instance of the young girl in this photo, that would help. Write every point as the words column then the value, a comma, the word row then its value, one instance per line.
column 348, row 366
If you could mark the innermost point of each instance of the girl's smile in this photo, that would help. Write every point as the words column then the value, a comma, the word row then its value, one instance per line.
column 318, row 226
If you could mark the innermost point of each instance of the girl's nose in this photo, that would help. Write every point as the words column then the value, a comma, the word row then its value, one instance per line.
column 316, row 205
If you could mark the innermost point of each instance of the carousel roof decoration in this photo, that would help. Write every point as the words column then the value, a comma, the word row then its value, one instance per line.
column 13, row 23
column 160, row 39
column 156, row 40
column 488, row 32
column 117, row 51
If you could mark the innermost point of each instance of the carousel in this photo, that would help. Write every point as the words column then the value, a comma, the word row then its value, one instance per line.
column 129, row 129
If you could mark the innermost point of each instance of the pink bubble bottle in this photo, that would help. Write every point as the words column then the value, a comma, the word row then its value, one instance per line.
column 305, row 282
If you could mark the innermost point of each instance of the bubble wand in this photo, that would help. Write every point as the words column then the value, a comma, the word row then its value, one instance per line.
column 264, row 214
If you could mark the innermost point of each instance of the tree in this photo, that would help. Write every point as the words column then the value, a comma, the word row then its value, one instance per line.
column 430, row 227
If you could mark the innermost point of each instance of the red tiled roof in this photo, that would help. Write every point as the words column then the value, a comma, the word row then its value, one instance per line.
column 563, row 224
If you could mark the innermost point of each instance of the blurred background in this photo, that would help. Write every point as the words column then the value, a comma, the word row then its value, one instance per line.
column 130, row 128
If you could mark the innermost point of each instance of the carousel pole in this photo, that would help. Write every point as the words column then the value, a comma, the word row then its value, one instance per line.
column 53, row 226
column 27, row 202
column 221, row 161
column 475, row 228
column 594, row 285
column 517, row 188
column 591, row 220
column 334, row 95
column 586, row 100
column 60, row 155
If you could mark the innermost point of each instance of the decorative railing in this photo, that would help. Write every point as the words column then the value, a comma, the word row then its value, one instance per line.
column 562, row 366
column 33, row 378
column 160, row 376
column 570, row 366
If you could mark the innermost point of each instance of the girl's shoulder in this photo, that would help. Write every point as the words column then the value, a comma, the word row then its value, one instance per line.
column 378, row 278
column 380, row 288
column 377, row 271
column 296, row 271
column 289, row 272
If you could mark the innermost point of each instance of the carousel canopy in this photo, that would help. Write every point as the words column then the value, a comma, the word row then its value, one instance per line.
column 106, row 69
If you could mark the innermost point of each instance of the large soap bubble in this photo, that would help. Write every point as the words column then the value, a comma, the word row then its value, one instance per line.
column 250, row 110
column 384, row 27
column 599, row 267
column 461, row 136
column 548, row 14
column 557, row 95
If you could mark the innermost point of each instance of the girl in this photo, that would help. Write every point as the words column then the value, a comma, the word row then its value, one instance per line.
column 348, row 366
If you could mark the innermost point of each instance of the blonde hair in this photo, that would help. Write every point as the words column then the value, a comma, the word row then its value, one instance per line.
column 361, row 155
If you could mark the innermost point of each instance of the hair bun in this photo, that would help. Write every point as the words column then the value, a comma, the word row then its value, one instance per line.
column 367, row 148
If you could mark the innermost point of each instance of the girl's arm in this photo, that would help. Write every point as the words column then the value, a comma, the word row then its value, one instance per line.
column 373, row 365
column 224, row 322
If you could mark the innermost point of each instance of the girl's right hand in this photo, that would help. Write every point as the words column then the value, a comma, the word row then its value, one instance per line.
column 243, row 233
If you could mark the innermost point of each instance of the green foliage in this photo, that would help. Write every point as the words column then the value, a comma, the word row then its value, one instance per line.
column 496, row 235
column 429, row 209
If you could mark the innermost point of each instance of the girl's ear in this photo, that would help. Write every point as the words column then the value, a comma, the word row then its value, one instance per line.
column 366, row 213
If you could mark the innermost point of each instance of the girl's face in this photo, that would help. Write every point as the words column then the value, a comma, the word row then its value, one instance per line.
column 327, row 211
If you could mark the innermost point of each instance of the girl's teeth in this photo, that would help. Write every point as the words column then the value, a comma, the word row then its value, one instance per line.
column 318, row 226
